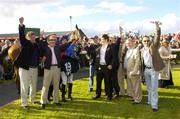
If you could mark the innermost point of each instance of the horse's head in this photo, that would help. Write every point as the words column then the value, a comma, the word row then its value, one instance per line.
column 78, row 34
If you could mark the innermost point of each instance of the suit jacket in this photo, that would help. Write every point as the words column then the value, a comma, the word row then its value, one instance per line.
column 134, row 63
column 110, row 57
column 154, row 51
column 48, row 55
column 122, row 53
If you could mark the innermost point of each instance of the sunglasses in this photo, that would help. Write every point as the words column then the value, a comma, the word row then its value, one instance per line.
column 146, row 41
column 52, row 40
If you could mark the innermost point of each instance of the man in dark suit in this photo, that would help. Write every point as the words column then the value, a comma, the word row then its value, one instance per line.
column 52, row 64
column 105, row 62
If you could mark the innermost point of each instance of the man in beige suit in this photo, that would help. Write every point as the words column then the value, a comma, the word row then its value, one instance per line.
column 133, row 65
column 122, row 72
column 152, row 63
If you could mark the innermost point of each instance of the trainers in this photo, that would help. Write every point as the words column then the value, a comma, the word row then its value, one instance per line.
column 136, row 103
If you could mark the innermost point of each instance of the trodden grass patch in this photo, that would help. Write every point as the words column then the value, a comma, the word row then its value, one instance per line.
column 83, row 107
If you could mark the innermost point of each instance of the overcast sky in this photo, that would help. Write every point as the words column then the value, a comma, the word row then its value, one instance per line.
column 92, row 16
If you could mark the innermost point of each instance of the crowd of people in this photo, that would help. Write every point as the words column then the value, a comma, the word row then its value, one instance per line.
column 114, row 60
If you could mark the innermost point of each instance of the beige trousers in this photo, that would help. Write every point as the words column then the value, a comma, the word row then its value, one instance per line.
column 52, row 75
column 136, row 88
column 121, row 78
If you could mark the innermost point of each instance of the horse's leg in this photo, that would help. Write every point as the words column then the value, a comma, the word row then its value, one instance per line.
column 16, row 78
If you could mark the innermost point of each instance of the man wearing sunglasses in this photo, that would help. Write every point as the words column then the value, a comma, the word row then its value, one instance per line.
column 152, row 63
column 52, row 63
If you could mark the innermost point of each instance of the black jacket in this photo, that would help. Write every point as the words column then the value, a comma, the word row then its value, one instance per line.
column 25, row 57
column 110, row 57
column 91, row 52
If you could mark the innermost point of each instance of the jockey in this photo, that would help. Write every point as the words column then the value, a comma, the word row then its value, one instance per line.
column 69, row 57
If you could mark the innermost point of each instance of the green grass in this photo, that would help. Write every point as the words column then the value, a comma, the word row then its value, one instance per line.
column 83, row 107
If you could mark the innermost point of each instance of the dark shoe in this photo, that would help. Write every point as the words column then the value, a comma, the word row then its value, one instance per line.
column 43, row 106
column 63, row 93
column 69, row 91
column 96, row 97
column 58, row 104
column 109, row 98
column 154, row 110
column 91, row 90
column 37, row 102
column 135, row 103
column 64, row 100
column 25, row 107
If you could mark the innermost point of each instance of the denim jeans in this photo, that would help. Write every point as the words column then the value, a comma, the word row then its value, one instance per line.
column 151, row 78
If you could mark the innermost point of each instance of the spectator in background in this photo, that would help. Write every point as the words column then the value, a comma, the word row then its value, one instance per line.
column 1, row 67
column 6, row 45
column 165, row 76
column 6, row 63
column 115, row 43
column 175, row 42
column 0, row 45
column 91, row 55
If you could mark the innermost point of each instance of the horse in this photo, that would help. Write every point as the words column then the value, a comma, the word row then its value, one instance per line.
column 78, row 34
column 13, row 54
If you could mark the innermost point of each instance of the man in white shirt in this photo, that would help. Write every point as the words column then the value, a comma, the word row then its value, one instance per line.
column 105, row 62
column 152, row 65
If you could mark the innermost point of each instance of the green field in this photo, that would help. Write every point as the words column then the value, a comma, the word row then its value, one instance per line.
column 83, row 107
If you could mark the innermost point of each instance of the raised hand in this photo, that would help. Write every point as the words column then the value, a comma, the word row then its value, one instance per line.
column 157, row 23
column 21, row 20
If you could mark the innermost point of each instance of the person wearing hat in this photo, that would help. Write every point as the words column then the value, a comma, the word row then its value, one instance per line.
column 52, row 63
column 165, row 76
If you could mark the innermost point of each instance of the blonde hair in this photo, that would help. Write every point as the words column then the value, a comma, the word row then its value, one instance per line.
column 29, row 34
